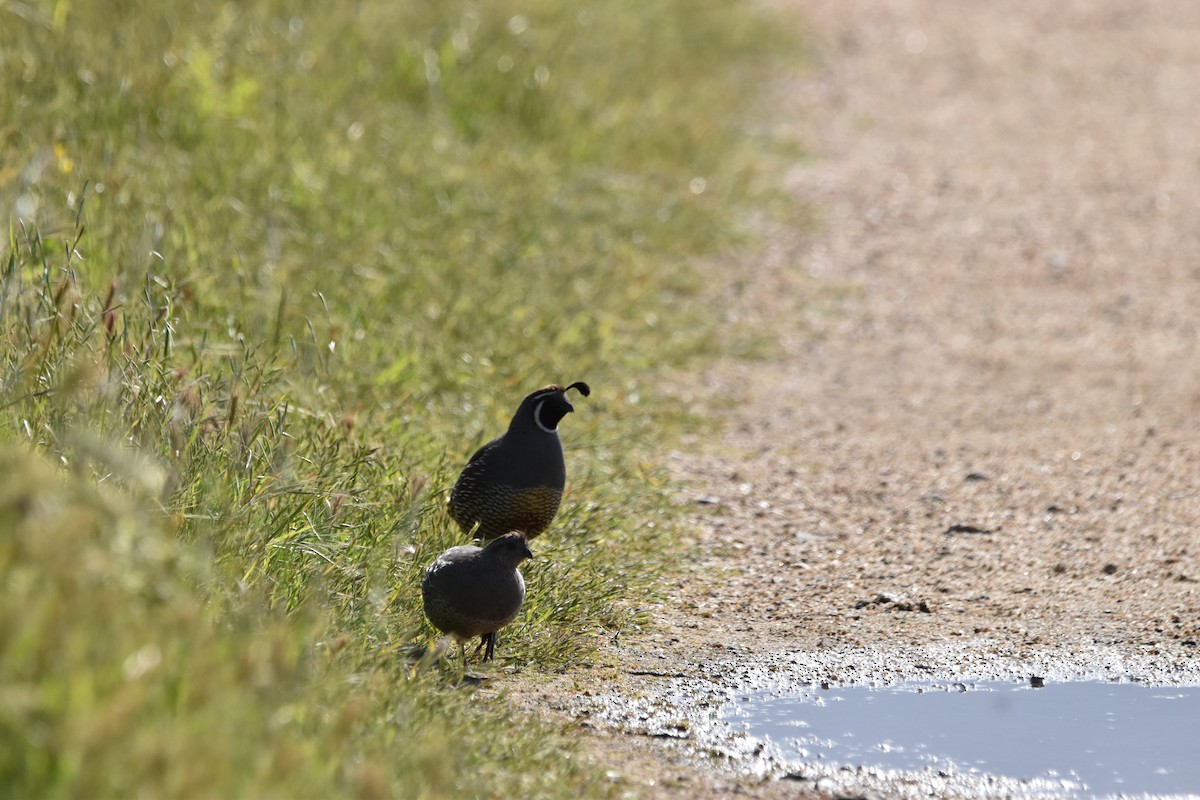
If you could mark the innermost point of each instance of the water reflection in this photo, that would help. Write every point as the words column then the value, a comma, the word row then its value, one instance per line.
column 1102, row 738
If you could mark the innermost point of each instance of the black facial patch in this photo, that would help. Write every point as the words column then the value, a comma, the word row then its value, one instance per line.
column 551, row 410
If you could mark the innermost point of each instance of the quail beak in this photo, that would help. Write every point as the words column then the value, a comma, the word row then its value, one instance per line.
column 528, row 552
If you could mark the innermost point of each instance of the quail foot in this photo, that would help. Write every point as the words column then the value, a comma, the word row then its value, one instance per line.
column 474, row 591
column 515, row 482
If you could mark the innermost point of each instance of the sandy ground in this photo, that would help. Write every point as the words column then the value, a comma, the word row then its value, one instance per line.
column 981, row 432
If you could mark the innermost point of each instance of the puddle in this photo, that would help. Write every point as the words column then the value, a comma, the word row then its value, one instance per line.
column 1084, row 738
column 1108, row 721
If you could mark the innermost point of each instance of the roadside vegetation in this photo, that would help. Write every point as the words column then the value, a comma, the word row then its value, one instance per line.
column 271, row 272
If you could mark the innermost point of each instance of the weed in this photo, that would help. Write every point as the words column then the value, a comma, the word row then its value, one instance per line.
column 273, row 271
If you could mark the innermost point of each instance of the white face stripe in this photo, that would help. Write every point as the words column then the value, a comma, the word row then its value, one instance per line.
column 537, row 417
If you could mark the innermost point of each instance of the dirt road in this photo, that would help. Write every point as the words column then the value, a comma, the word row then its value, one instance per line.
column 992, row 439
column 1003, row 424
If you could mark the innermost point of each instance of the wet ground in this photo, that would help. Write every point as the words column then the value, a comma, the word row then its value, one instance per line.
column 928, row 721
column 1086, row 738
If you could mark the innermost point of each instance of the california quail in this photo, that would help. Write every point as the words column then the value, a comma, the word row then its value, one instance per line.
column 515, row 482
column 475, row 591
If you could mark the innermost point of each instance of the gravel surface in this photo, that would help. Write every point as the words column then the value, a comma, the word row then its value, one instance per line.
column 977, row 448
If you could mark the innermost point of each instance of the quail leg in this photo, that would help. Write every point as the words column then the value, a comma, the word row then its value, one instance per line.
column 482, row 641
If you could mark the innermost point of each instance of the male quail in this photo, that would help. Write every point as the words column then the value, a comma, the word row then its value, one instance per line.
column 515, row 482
column 475, row 591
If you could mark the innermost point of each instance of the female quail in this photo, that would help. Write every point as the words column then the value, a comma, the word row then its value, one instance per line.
column 475, row 591
column 515, row 482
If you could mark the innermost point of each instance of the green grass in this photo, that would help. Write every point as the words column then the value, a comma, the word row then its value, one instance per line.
column 271, row 273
